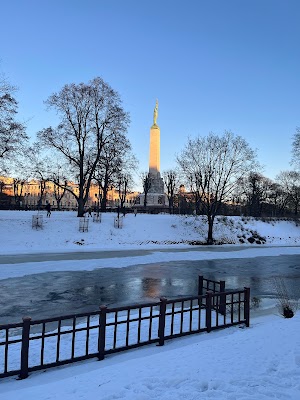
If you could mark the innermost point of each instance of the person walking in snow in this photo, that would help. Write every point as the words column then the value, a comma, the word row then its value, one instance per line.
column 48, row 208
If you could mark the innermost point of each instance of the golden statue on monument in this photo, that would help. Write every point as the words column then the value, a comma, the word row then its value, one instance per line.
column 155, row 113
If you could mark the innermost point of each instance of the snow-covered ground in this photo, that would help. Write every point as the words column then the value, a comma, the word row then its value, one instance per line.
column 260, row 362
column 257, row 363
column 159, row 234
column 61, row 232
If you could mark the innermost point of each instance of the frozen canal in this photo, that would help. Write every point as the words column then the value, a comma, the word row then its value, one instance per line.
column 56, row 293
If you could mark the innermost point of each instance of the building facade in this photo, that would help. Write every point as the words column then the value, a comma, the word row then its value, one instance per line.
column 31, row 195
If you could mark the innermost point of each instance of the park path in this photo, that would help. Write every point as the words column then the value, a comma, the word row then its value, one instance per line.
column 103, row 254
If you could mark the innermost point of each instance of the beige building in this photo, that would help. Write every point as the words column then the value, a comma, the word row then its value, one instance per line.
column 27, row 194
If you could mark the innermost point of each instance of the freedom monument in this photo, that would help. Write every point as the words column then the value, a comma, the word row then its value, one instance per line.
column 155, row 196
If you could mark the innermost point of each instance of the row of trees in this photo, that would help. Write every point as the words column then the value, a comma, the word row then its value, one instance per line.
column 220, row 172
column 89, row 144
column 256, row 195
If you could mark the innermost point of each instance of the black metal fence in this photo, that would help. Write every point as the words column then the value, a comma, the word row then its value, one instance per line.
column 34, row 345
column 37, row 221
column 83, row 224
column 205, row 285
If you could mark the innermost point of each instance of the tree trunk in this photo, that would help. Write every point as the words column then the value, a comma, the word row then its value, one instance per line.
column 171, row 205
column 210, row 240
column 80, row 212
column 104, row 199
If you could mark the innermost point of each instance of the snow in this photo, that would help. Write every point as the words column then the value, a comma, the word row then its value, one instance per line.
column 60, row 232
column 260, row 362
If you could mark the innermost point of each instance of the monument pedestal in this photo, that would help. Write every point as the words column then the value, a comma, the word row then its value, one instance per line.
column 154, row 200
column 157, row 183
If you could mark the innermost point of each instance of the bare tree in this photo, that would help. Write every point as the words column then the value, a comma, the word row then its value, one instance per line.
column 90, row 116
column 214, row 165
column 39, row 169
column 296, row 149
column 278, row 198
column 45, row 168
column 12, row 132
column 60, row 185
column 2, row 186
column 172, row 184
column 104, row 174
column 18, row 186
column 124, row 179
column 123, row 184
column 110, row 165
column 290, row 181
column 257, row 191
column 21, row 177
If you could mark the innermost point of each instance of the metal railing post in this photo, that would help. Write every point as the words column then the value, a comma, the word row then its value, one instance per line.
column 200, row 289
column 25, row 347
column 222, row 305
column 162, row 321
column 208, row 310
column 102, row 331
column 247, row 306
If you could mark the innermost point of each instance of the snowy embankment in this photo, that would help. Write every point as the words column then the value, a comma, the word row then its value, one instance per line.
column 261, row 362
column 60, row 232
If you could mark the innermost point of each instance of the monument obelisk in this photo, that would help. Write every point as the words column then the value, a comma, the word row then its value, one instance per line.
column 157, row 184
column 154, row 199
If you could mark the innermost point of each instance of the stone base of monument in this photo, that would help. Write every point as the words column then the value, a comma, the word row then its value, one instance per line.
column 157, row 184
column 154, row 200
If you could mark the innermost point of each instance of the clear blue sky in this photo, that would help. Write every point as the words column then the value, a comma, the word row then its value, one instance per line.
column 214, row 65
